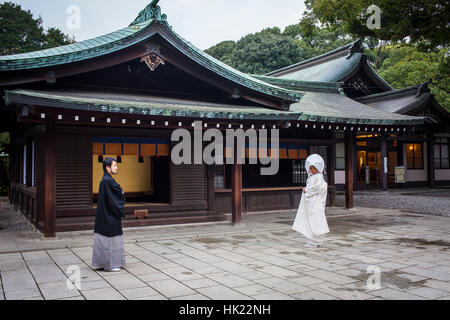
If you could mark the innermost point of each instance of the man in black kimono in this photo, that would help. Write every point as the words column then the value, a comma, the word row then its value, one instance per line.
column 109, row 253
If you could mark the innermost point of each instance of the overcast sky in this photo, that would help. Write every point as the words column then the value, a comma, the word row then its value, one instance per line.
column 202, row 22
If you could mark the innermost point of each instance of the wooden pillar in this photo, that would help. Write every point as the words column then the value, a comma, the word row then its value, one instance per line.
column 50, row 177
column 384, row 164
column 349, row 164
column 331, row 182
column 430, row 158
column 236, row 187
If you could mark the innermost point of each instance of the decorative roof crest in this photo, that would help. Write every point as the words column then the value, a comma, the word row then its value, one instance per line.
column 355, row 48
column 151, row 12
column 423, row 88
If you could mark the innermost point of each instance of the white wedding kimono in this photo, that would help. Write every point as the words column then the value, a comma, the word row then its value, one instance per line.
column 310, row 219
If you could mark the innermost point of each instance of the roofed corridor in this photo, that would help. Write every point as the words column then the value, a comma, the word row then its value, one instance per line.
column 262, row 258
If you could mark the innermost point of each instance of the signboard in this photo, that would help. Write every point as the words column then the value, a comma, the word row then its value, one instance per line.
column 400, row 174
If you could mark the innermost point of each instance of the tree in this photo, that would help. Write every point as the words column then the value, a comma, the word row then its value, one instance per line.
column 222, row 51
column 271, row 49
column 314, row 40
column 56, row 38
column 423, row 22
column 264, row 51
column 20, row 32
column 406, row 66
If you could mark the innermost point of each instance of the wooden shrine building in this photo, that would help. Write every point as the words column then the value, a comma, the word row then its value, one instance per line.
column 124, row 93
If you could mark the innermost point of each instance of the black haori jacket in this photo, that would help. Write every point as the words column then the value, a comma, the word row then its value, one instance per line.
column 110, row 208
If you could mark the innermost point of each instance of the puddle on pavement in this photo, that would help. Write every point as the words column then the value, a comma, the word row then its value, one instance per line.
column 278, row 233
column 209, row 240
column 350, row 224
column 422, row 243
column 244, row 237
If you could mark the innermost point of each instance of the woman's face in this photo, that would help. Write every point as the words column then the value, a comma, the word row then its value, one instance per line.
column 313, row 170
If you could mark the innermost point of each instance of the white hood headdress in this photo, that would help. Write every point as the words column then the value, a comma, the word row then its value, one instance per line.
column 316, row 161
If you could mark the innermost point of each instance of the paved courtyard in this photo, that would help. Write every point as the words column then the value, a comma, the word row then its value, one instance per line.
column 262, row 258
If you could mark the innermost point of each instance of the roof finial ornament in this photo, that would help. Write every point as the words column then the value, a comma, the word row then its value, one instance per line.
column 423, row 88
column 356, row 47
column 151, row 12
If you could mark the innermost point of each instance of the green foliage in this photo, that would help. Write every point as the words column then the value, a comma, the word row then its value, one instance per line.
column 4, row 139
column 422, row 22
column 56, row 38
column 222, row 51
column 272, row 49
column 264, row 51
column 406, row 66
column 20, row 32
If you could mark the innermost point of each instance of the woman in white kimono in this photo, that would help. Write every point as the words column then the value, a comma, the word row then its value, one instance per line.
column 310, row 220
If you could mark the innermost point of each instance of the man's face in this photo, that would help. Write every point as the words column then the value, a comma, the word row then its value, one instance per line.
column 113, row 169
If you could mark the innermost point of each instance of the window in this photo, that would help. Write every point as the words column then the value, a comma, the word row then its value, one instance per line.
column 441, row 153
column 414, row 156
column 299, row 174
column 340, row 156
column 219, row 178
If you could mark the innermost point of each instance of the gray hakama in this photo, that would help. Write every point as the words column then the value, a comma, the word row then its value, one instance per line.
column 109, row 252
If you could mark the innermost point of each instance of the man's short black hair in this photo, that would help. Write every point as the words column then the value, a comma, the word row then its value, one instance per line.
column 108, row 163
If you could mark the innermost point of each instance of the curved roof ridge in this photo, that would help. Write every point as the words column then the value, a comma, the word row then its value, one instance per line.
column 84, row 49
column 233, row 74
column 391, row 92
column 355, row 44
column 303, row 84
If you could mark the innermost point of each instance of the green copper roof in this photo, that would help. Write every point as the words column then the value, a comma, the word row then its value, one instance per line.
column 332, row 66
column 328, row 71
column 74, row 52
column 315, row 106
column 230, row 73
column 297, row 85
column 143, row 105
column 334, row 107
column 129, row 36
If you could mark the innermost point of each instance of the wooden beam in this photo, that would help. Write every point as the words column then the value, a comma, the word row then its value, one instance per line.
column 236, row 185
column 349, row 164
column 50, row 177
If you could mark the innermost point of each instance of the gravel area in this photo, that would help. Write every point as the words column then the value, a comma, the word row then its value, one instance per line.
column 422, row 201
column 12, row 221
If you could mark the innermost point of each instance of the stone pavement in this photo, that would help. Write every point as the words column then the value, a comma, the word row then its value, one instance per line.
column 262, row 258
